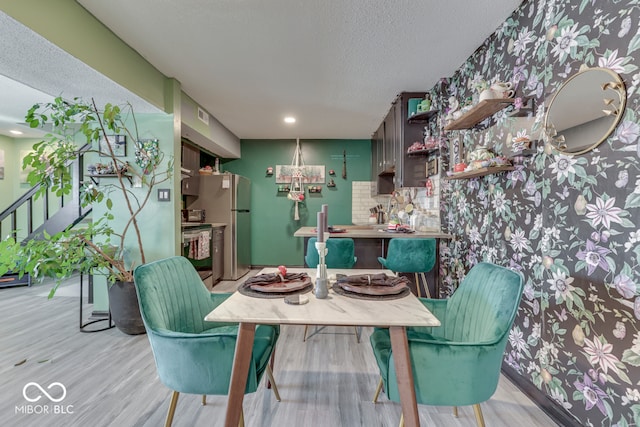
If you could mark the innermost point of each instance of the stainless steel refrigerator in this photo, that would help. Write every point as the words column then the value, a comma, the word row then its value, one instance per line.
column 227, row 199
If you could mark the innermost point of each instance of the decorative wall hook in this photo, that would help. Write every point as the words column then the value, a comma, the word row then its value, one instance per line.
column 608, row 101
column 610, row 112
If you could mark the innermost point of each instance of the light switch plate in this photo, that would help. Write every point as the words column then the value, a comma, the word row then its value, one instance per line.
column 164, row 195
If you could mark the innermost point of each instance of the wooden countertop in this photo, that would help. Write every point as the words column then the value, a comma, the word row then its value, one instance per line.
column 370, row 232
column 186, row 225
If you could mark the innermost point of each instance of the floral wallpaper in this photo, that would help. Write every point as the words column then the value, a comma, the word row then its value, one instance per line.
column 570, row 224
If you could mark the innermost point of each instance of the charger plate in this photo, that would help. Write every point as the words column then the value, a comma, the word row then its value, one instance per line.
column 372, row 294
column 277, row 289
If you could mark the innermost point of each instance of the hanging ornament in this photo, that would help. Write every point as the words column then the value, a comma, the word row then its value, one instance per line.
column 297, row 176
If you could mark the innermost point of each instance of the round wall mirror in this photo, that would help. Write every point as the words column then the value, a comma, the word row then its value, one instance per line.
column 585, row 110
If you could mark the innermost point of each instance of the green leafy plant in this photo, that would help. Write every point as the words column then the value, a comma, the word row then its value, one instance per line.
column 97, row 247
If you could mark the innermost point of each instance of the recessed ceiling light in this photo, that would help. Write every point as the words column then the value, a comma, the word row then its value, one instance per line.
column 16, row 132
column 289, row 119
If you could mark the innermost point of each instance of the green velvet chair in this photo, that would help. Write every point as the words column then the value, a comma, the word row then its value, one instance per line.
column 192, row 355
column 458, row 363
column 340, row 253
column 411, row 256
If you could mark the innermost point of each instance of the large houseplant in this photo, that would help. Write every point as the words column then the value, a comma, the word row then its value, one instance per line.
column 96, row 248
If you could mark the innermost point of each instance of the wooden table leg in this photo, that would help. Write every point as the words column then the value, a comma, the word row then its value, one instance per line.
column 238, row 384
column 404, row 374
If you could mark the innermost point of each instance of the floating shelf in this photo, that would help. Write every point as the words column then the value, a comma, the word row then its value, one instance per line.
column 421, row 118
column 423, row 152
column 480, row 172
column 96, row 177
column 478, row 113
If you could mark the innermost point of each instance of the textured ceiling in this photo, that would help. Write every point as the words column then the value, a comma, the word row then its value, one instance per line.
column 334, row 64
column 33, row 70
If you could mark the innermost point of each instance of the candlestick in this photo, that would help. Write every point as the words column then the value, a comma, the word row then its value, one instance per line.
column 320, row 227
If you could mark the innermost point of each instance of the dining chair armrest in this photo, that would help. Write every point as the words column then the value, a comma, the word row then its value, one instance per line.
column 219, row 298
column 437, row 307
column 200, row 363
column 475, row 365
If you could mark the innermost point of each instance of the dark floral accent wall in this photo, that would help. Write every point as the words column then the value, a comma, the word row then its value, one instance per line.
column 570, row 224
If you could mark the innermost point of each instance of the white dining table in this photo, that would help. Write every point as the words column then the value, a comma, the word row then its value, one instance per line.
column 335, row 310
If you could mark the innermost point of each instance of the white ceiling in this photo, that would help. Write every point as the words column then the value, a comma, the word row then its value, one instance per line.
column 334, row 64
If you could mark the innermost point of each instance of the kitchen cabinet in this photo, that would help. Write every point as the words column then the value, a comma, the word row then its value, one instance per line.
column 376, row 152
column 191, row 162
column 393, row 167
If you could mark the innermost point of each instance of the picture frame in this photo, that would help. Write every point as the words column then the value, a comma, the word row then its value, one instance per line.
column 311, row 174
column 118, row 145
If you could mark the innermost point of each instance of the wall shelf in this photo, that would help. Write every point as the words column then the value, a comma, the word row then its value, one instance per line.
column 478, row 113
column 421, row 118
column 423, row 152
column 96, row 177
column 480, row 172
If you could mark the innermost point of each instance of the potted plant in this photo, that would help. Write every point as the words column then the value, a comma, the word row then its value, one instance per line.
column 97, row 248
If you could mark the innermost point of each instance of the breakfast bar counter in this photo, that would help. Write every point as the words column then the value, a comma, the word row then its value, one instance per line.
column 373, row 232
column 371, row 242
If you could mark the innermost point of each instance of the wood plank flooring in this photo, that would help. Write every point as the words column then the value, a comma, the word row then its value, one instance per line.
column 110, row 378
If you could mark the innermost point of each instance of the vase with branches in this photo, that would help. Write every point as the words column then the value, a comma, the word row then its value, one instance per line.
column 101, row 246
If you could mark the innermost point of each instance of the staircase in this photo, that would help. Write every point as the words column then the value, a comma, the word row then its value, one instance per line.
column 28, row 218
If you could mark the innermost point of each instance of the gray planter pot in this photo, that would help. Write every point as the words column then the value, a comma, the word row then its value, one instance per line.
column 125, row 311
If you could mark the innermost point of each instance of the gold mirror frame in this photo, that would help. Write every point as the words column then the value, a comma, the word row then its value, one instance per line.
column 591, row 101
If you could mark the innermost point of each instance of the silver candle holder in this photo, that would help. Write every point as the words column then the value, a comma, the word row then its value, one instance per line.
column 321, row 288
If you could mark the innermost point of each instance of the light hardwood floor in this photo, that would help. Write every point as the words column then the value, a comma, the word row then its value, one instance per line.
column 110, row 378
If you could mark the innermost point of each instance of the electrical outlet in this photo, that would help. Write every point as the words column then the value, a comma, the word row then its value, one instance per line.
column 164, row 195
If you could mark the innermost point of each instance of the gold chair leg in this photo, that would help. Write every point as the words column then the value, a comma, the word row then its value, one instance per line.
column 305, row 332
column 455, row 411
column 358, row 333
column 204, row 399
column 479, row 417
column 417, row 285
column 172, row 408
column 378, row 390
column 269, row 373
column 401, row 420
column 241, row 423
column 426, row 285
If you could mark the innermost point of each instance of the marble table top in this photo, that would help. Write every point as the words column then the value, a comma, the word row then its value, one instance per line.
column 336, row 310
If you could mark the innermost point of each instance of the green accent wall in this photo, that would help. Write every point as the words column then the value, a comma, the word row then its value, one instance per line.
column 272, row 223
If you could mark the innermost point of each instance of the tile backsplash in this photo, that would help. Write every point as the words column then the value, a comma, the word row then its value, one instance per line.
column 426, row 209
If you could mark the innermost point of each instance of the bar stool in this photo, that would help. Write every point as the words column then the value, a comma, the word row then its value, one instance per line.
column 416, row 256
column 340, row 254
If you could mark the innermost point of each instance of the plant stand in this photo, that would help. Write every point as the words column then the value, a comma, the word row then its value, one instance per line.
column 83, row 325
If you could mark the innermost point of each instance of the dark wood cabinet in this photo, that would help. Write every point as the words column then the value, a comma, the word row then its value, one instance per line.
column 395, row 168
column 191, row 162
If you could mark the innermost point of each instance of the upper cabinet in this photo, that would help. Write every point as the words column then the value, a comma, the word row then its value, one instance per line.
column 190, row 162
column 390, row 143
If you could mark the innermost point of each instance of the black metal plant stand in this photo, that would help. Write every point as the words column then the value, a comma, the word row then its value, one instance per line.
column 110, row 324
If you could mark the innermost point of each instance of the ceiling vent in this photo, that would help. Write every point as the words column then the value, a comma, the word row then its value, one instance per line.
column 203, row 116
